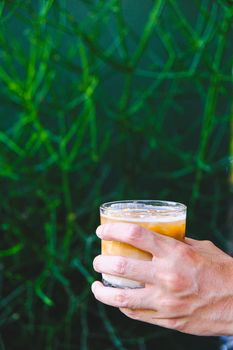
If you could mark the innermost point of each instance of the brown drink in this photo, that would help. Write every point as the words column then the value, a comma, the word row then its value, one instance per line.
column 167, row 218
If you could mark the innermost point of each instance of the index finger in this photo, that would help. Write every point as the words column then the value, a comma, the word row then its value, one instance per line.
column 137, row 236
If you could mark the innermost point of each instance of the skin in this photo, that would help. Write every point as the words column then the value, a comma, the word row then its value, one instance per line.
column 188, row 285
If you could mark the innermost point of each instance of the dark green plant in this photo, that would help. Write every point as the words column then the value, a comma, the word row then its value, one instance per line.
column 103, row 100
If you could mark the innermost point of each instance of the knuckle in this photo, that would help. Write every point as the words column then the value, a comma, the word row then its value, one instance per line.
column 175, row 282
column 171, row 306
column 208, row 243
column 134, row 233
column 122, row 299
column 121, row 266
column 183, row 250
column 176, row 323
column 186, row 254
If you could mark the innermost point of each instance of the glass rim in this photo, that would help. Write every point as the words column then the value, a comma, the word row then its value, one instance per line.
column 172, row 206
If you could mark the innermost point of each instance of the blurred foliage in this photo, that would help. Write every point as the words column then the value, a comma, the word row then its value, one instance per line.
column 103, row 100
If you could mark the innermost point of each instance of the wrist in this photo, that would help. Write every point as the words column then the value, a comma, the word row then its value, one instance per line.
column 227, row 299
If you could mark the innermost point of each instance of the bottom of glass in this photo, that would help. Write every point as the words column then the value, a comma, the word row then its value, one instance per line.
column 119, row 282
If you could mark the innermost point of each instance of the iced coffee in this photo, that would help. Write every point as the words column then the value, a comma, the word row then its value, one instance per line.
column 163, row 217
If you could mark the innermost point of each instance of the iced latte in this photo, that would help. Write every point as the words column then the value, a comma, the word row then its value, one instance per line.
column 166, row 218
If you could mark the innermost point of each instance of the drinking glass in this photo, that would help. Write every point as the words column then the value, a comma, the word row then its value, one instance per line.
column 163, row 217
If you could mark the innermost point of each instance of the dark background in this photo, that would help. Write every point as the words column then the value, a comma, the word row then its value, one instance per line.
column 100, row 101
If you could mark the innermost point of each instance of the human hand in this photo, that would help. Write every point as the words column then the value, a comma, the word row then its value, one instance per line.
column 188, row 285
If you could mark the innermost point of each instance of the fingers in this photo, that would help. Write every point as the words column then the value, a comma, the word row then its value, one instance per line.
column 122, row 298
column 137, row 236
column 153, row 317
column 149, row 303
column 137, row 270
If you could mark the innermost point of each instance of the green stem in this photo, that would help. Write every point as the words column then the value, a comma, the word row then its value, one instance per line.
column 151, row 23
column 231, row 150
column 112, row 333
column 148, row 29
column 66, row 191
column 122, row 29
column 210, row 107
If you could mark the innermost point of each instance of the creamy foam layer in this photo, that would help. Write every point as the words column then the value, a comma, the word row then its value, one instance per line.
column 143, row 217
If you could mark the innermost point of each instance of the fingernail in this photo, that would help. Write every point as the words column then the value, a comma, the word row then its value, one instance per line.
column 99, row 231
column 95, row 263
column 93, row 288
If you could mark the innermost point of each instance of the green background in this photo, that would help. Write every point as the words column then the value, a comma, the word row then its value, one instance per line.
column 104, row 100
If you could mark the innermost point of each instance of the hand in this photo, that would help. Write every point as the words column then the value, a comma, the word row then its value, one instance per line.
column 188, row 285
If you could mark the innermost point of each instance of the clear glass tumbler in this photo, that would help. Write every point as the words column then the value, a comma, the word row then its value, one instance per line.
column 163, row 217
